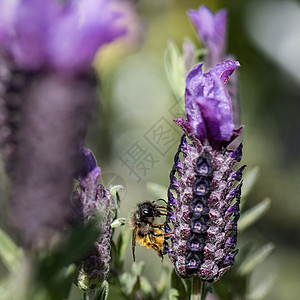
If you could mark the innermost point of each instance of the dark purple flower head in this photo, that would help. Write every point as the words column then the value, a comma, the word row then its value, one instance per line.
column 204, row 193
column 57, row 35
column 211, row 29
column 208, row 105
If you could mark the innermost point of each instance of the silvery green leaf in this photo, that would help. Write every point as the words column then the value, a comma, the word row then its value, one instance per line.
column 260, row 291
column 129, row 282
column 163, row 280
column 251, row 215
column 122, row 243
column 249, row 180
column 118, row 222
column 103, row 291
column 179, row 284
column 137, row 268
column 5, row 291
column 156, row 190
column 175, row 69
column 146, row 287
column 10, row 254
column 254, row 259
column 115, row 193
column 173, row 294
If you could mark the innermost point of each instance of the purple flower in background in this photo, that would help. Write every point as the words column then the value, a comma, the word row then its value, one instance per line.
column 57, row 35
column 211, row 29
column 202, row 217
column 92, row 199
column 47, row 90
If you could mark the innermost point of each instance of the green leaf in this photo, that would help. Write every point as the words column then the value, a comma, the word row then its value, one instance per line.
column 122, row 244
column 179, row 284
column 173, row 294
column 115, row 193
column 80, row 241
column 10, row 253
column 5, row 289
column 254, row 259
column 250, row 179
column 260, row 291
column 250, row 216
column 206, row 288
column 51, row 271
column 137, row 268
column 156, row 190
column 103, row 291
column 175, row 69
column 118, row 222
column 129, row 283
column 163, row 280
column 146, row 287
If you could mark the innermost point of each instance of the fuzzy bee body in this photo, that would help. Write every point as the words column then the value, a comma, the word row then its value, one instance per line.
column 145, row 231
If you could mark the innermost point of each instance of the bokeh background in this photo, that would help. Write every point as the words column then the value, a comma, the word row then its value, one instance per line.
column 136, row 100
column 264, row 35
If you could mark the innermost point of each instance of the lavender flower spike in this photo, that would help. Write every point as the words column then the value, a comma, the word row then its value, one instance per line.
column 211, row 29
column 89, row 200
column 204, row 197
column 57, row 35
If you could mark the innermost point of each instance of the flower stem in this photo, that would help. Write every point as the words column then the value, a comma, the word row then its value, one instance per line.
column 196, row 288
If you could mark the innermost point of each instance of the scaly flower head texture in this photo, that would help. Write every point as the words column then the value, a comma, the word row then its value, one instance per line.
column 211, row 29
column 91, row 199
column 203, row 196
column 57, row 35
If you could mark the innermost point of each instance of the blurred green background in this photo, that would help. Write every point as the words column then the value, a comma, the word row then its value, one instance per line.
column 264, row 36
column 136, row 102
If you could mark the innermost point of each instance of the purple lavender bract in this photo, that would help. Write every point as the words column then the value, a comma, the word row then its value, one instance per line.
column 202, row 216
column 57, row 35
column 208, row 105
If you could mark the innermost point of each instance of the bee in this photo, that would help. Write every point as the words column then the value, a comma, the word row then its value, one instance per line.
column 145, row 231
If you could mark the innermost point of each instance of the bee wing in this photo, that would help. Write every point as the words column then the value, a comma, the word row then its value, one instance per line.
column 133, row 244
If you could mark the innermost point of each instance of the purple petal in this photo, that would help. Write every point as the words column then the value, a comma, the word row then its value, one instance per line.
column 211, row 29
column 218, row 119
column 84, row 27
column 224, row 69
column 194, row 88
column 59, row 35
column 207, row 103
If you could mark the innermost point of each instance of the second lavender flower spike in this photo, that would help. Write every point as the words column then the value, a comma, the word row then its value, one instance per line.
column 204, row 196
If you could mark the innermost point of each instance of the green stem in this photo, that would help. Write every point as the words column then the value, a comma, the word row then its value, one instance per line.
column 196, row 288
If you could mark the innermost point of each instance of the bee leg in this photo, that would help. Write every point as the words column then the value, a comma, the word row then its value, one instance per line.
column 133, row 244
column 160, row 199
column 155, row 247
column 160, row 207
